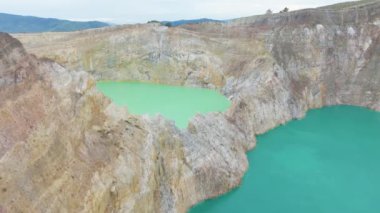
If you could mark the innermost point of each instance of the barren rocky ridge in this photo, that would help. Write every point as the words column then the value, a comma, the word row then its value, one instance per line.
column 65, row 147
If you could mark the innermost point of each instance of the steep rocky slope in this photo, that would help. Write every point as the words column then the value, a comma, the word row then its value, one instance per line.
column 64, row 146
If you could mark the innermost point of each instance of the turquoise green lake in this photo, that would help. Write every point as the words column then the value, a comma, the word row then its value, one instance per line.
column 325, row 163
column 179, row 104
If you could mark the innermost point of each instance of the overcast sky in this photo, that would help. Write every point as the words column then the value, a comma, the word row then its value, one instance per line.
column 135, row 11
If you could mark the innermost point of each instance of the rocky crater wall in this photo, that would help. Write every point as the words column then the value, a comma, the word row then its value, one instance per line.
column 66, row 147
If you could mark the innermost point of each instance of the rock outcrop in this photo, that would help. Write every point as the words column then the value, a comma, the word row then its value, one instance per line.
column 65, row 147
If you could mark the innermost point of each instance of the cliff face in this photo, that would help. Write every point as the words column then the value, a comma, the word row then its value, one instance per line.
column 147, row 53
column 64, row 146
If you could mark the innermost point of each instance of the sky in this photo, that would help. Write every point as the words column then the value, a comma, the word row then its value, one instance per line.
column 141, row 11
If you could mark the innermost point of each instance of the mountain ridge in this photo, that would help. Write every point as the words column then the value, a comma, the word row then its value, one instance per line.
column 191, row 21
column 11, row 23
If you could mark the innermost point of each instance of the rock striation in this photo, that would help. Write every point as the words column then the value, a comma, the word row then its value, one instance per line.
column 65, row 147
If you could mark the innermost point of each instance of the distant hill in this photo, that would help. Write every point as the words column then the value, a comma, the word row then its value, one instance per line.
column 30, row 24
column 192, row 21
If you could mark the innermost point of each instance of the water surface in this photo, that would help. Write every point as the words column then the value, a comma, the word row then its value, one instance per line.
column 328, row 162
column 179, row 104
